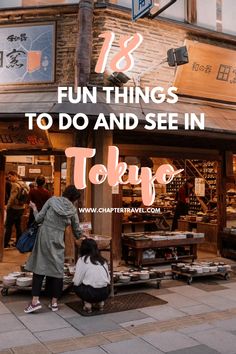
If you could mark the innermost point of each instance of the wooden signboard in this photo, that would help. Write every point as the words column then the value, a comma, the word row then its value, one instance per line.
column 15, row 135
column 210, row 73
column 42, row 2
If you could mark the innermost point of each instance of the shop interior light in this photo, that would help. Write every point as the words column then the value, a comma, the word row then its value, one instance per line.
column 177, row 56
column 118, row 79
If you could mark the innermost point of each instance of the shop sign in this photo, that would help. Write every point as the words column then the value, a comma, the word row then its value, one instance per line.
column 14, row 135
column 140, row 7
column 21, row 171
column 200, row 187
column 35, row 170
column 210, row 73
column 27, row 54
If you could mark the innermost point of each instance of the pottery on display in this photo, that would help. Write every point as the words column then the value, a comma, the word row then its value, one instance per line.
column 9, row 280
column 144, row 275
column 24, row 281
column 124, row 279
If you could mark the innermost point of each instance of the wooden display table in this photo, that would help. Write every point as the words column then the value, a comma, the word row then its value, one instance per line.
column 210, row 231
column 139, row 246
column 228, row 245
column 136, row 226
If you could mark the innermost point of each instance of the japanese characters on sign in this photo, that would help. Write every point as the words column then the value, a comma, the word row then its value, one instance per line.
column 15, row 135
column 140, row 7
column 27, row 54
column 211, row 72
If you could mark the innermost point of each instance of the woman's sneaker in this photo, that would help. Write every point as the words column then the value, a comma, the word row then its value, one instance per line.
column 53, row 307
column 87, row 307
column 101, row 305
column 31, row 307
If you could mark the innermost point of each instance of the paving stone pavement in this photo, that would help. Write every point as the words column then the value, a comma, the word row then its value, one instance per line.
column 197, row 319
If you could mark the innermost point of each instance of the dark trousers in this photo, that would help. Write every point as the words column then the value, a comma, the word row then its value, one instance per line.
column 181, row 209
column 92, row 295
column 13, row 218
column 53, row 286
column 31, row 218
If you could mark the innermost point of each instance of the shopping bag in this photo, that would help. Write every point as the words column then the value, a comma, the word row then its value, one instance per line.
column 27, row 240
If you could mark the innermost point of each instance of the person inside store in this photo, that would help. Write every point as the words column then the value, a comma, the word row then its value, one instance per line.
column 92, row 278
column 183, row 200
column 15, row 207
column 38, row 195
column 47, row 257
column 7, row 190
column 207, row 205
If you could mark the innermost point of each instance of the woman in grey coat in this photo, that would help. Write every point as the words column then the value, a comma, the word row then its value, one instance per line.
column 47, row 258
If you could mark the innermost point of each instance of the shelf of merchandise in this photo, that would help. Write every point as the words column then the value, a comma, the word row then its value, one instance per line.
column 138, row 246
column 176, row 274
column 150, row 280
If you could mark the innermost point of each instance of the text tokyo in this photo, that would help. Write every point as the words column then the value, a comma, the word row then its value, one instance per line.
column 115, row 171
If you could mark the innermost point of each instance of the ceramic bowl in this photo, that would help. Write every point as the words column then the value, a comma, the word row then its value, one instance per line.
column 16, row 274
column 213, row 269
column 9, row 280
column 205, row 269
column 228, row 267
column 199, row 270
column 124, row 279
column 24, row 281
column 144, row 275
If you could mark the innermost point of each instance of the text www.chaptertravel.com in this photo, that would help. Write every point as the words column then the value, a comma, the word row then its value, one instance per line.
column 119, row 210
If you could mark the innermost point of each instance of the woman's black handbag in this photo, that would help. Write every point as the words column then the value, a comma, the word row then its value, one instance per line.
column 27, row 240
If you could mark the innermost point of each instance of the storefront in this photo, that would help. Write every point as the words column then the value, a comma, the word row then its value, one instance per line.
column 31, row 154
column 202, row 154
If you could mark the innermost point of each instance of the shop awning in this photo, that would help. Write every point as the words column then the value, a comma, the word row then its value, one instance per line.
column 219, row 117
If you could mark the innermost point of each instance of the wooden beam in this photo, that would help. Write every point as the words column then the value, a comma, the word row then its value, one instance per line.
column 221, row 199
column 102, row 194
column 36, row 12
column 229, row 164
column 167, row 151
column 191, row 11
column 190, row 28
column 84, row 44
column 57, row 176
column 117, row 225
column 2, row 203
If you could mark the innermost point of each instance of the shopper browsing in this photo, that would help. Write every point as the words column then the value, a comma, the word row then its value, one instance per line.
column 183, row 200
column 39, row 196
column 47, row 258
column 92, row 279
column 15, row 206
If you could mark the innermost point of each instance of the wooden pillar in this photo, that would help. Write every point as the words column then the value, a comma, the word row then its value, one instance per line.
column 221, row 202
column 191, row 11
column 2, row 203
column 117, row 226
column 84, row 44
column 102, row 193
column 57, row 176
